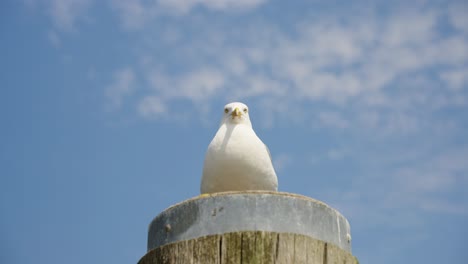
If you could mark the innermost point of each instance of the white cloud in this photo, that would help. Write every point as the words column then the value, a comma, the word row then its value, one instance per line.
column 332, row 119
column 426, row 185
column 152, row 107
column 456, row 79
column 409, row 28
column 65, row 13
column 236, row 65
column 123, row 85
column 457, row 16
column 184, row 6
column 382, row 75
column 199, row 85
column 259, row 85
column 421, row 180
column 135, row 14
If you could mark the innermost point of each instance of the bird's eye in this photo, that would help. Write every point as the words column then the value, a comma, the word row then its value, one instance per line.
column 245, row 110
column 226, row 110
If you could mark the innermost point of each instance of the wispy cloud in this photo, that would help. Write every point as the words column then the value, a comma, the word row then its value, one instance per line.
column 332, row 120
column 370, row 73
column 457, row 16
column 135, row 14
column 379, row 78
column 65, row 13
column 184, row 6
column 199, row 85
column 456, row 79
column 122, row 86
column 420, row 182
column 152, row 107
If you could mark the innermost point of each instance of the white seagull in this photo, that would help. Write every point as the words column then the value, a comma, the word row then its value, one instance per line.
column 236, row 159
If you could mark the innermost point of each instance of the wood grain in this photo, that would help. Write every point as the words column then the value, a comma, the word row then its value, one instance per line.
column 250, row 247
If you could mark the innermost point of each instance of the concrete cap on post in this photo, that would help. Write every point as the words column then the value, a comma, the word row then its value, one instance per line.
column 222, row 213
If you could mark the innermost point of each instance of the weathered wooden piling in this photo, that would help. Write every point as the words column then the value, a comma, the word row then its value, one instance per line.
column 249, row 227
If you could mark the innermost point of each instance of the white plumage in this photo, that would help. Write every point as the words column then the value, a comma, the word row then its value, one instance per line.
column 236, row 158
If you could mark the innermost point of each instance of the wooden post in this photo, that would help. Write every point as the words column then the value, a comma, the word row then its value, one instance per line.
column 249, row 227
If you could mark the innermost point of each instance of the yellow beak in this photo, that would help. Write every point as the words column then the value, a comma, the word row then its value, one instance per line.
column 236, row 113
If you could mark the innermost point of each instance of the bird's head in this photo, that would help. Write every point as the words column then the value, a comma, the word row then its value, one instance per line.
column 236, row 113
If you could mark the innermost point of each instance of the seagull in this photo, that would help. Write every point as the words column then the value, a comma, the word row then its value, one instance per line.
column 236, row 159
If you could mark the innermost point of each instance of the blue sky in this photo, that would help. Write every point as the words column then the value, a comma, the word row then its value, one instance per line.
column 107, row 108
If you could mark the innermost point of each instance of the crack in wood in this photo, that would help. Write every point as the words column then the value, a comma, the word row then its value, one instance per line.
column 325, row 254
column 241, row 247
column 220, row 249
column 277, row 246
